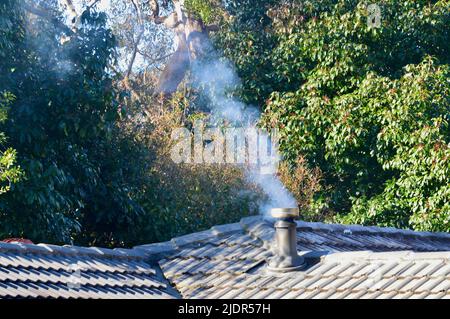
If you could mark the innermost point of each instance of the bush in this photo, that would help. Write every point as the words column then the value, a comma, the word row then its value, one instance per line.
column 412, row 142
column 184, row 198
column 77, row 184
column 366, row 105
column 304, row 184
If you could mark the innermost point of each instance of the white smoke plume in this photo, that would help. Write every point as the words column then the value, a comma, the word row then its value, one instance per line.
column 216, row 78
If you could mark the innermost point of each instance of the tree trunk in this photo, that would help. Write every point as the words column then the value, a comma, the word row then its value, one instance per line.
column 175, row 69
column 192, row 43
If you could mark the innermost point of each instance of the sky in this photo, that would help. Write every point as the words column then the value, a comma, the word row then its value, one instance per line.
column 102, row 5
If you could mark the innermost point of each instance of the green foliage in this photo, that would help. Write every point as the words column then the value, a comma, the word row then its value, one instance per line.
column 184, row 198
column 189, row 198
column 246, row 41
column 363, row 115
column 78, row 183
column 96, row 171
column 303, row 183
column 366, row 105
column 9, row 172
column 413, row 143
column 10, row 26
column 206, row 10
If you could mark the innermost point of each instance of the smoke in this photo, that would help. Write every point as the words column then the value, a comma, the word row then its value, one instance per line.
column 48, row 34
column 216, row 78
column 47, row 41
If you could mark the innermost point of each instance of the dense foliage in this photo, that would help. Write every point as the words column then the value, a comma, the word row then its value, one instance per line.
column 183, row 198
column 367, row 105
column 63, row 128
column 363, row 113
column 94, row 171
column 10, row 172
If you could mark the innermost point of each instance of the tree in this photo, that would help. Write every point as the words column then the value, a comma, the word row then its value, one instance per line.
column 190, row 21
column 202, row 196
column 10, row 172
column 78, row 184
column 329, row 80
column 96, row 169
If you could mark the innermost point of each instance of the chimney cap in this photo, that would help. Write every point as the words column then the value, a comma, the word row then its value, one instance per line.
column 285, row 257
column 284, row 213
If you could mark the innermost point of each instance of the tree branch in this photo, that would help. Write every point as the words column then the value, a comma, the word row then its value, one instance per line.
column 153, row 59
column 75, row 17
column 138, row 39
column 154, row 5
column 93, row 3
column 134, row 53
column 71, row 7
column 126, row 79
column 44, row 14
column 155, row 17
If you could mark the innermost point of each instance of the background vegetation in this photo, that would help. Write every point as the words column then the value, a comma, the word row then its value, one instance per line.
column 363, row 114
column 368, row 106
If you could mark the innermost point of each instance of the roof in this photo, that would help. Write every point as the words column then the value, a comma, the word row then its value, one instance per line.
column 49, row 271
column 343, row 262
column 229, row 261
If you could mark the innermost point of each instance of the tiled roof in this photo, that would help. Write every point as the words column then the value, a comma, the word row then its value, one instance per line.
column 229, row 261
column 48, row 271
column 340, row 275
column 343, row 262
column 336, row 237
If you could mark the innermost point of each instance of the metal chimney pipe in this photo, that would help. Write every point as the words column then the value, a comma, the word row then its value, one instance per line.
column 286, row 257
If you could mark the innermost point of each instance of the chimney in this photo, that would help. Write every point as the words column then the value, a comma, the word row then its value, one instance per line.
column 286, row 257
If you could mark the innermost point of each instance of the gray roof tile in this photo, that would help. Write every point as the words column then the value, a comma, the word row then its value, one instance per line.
column 229, row 261
column 193, row 238
column 354, row 262
column 49, row 271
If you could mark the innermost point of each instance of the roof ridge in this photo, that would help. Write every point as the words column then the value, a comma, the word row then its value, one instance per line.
column 402, row 255
column 262, row 229
column 71, row 250
column 370, row 229
column 171, row 246
column 257, row 227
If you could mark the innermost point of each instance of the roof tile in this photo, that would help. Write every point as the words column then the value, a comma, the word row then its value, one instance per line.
column 228, row 261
